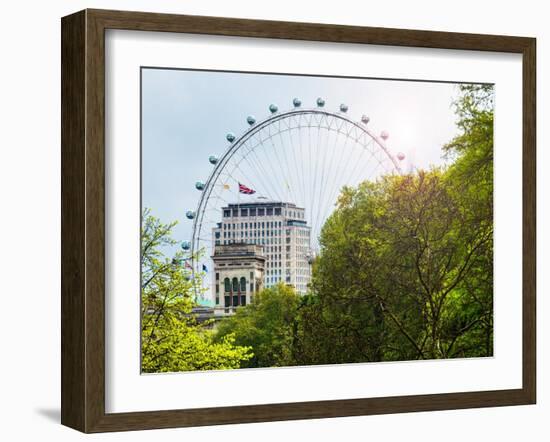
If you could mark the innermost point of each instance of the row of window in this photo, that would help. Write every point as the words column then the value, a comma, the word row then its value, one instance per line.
column 232, row 301
column 260, row 211
column 262, row 241
column 253, row 233
column 255, row 225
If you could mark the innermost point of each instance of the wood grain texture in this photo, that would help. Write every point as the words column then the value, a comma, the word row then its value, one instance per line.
column 73, row 253
column 83, row 220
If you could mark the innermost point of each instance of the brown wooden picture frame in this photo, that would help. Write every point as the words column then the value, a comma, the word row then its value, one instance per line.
column 83, row 220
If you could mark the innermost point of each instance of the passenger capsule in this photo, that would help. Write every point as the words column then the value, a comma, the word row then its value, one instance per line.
column 190, row 214
column 273, row 108
column 320, row 102
column 343, row 107
column 400, row 156
column 297, row 102
column 185, row 245
column 250, row 120
column 230, row 137
column 365, row 119
column 213, row 159
column 384, row 135
column 199, row 185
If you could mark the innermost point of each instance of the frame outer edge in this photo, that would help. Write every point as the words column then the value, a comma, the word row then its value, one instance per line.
column 83, row 218
column 529, row 221
column 95, row 222
column 73, row 132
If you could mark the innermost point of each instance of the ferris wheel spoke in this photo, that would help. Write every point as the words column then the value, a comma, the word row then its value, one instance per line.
column 297, row 160
column 272, row 163
column 288, row 181
column 323, row 202
column 356, row 171
column 294, row 152
column 303, row 156
column 337, row 175
column 319, row 187
column 264, row 173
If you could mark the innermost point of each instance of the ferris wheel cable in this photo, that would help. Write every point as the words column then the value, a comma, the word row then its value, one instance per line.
column 287, row 180
column 265, row 188
column 321, row 182
column 337, row 176
column 313, row 189
column 283, row 117
column 249, row 149
column 276, row 153
column 274, row 174
column 312, row 183
column 333, row 193
column 293, row 149
column 292, row 162
column 324, row 180
column 298, row 158
column 293, row 171
column 354, row 172
column 264, row 176
column 338, row 181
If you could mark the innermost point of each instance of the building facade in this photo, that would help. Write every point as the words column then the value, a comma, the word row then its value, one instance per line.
column 280, row 229
column 238, row 274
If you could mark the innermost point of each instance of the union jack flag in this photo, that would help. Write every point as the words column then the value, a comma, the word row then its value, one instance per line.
column 246, row 190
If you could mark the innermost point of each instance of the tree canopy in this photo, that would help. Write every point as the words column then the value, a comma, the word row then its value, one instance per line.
column 171, row 337
column 405, row 268
column 405, row 271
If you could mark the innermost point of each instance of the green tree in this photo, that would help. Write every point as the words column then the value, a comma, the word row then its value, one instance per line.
column 171, row 337
column 266, row 325
column 405, row 269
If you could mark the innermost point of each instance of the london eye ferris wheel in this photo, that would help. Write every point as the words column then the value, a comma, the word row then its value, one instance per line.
column 303, row 155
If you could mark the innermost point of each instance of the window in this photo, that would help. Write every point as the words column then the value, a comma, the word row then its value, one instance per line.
column 243, row 285
column 269, row 211
column 243, row 300
column 217, row 288
column 217, row 300
column 217, row 276
column 226, row 213
column 235, row 212
column 227, row 285
column 253, row 212
column 217, row 235
column 227, row 301
column 251, row 276
column 244, row 212
column 277, row 211
column 261, row 212
column 235, row 285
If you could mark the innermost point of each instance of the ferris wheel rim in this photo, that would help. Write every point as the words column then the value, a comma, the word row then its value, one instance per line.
column 238, row 142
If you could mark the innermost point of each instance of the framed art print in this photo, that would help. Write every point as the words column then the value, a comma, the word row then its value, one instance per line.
column 269, row 220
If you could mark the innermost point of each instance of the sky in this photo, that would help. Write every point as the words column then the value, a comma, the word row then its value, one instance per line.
column 187, row 114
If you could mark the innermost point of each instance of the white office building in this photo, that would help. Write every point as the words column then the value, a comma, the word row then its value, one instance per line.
column 282, row 231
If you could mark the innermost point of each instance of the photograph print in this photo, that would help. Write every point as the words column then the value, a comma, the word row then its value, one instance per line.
column 299, row 220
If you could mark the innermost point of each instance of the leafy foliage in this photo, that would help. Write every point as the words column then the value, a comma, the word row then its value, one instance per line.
column 405, row 270
column 266, row 325
column 171, row 337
